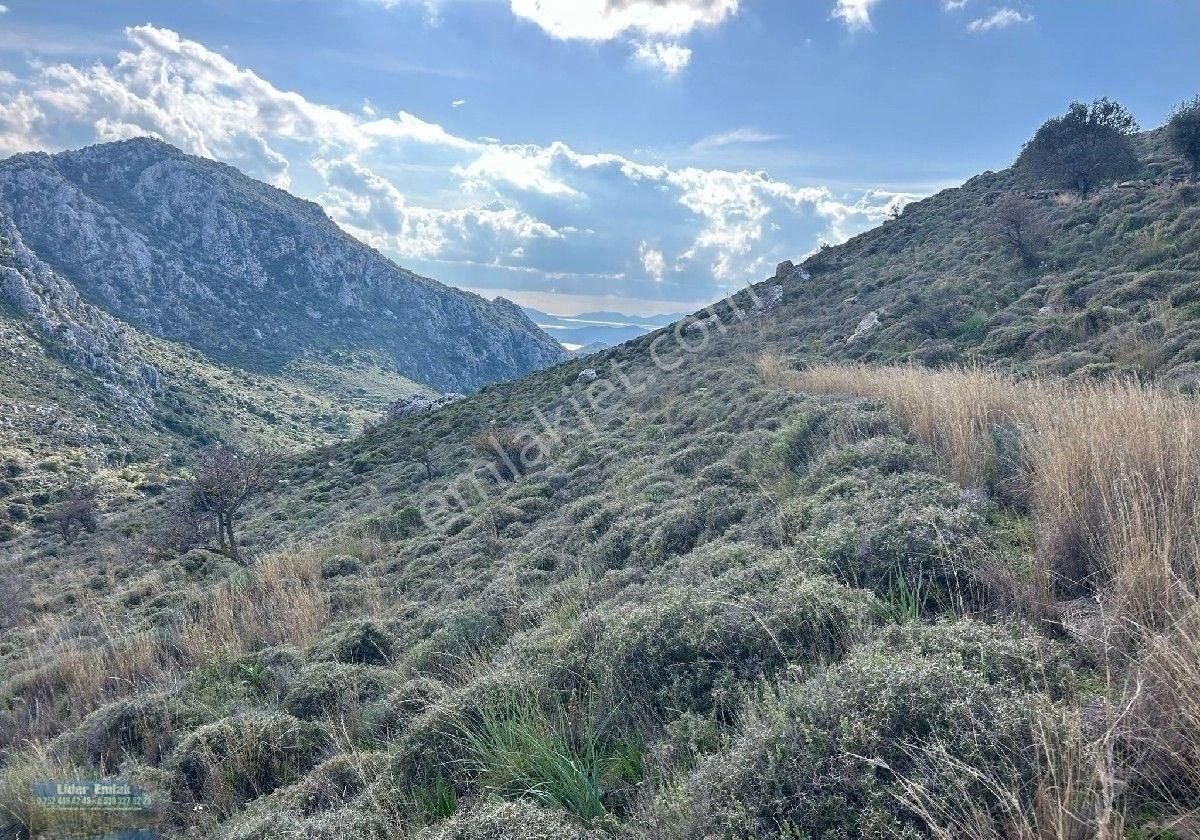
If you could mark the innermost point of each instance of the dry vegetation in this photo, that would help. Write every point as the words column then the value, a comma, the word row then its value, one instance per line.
column 757, row 595
column 1112, row 478
column 1110, row 471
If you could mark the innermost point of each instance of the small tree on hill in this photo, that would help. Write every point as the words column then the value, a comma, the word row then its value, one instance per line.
column 74, row 514
column 1085, row 147
column 225, row 479
column 1021, row 226
column 1183, row 130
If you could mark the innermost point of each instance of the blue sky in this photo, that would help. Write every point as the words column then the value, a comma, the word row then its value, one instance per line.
column 640, row 155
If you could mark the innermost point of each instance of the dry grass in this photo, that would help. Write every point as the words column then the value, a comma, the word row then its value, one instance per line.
column 1110, row 471
column 1111, row 478
column 1073, row 792
column 75, row 667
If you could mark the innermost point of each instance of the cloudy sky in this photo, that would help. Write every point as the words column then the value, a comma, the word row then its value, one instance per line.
column 643, row 155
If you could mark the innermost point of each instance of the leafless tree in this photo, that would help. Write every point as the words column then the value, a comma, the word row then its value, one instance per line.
column 423, row 458
column 225, row 478
column 74, row 514
column 1022, row 226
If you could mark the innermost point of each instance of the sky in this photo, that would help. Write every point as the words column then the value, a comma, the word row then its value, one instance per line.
column 638, row 155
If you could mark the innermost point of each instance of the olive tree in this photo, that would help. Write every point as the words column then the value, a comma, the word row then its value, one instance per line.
column 1087, row 146
column 1183, row 130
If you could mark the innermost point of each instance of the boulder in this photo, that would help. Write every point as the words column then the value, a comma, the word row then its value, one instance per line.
column 587, row 375
column 771, row 297
column 418, row 403
column 868, row 323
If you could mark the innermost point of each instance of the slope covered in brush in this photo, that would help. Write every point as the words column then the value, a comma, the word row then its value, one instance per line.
column 1112, row 286
column 692, row 586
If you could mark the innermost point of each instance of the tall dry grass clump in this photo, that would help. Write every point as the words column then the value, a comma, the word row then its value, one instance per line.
column 1110, row 471
column 99, row 657
column 1073, row 789
column 955, row 413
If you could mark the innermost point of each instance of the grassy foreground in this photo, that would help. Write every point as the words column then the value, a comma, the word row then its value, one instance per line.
column 884, row 602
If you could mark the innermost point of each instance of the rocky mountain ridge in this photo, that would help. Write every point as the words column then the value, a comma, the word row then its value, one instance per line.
column 82, row 334
column 192, row 250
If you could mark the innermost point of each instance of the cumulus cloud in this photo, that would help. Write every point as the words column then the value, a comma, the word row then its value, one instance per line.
column 670, row 58
column 953, row 5
column 603, row 20
column 372, row 208
column 653, row 262
column 855, row 14
column 654, row 27
column 20, row 121
column 998, row 19
column 482, row 211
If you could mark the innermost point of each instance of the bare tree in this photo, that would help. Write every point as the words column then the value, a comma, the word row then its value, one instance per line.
column 74, row 514
column 1021, row 225
column 225, row 478
column 423, row 458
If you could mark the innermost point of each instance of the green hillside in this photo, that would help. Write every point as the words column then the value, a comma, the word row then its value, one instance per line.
column 732, row 585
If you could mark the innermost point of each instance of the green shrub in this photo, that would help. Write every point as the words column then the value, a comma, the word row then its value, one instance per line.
column 876, row 532
column 387, row 718
column 224, row 764
column 362, row 642
column 398, row 524
column 1004, row 655
column 336, row 690
column 818, row 759
column 694, row 649
column 500, row 820
column 144, row 727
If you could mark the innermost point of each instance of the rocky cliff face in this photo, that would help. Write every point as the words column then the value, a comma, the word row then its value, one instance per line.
column 193, row 250
column 77, row 332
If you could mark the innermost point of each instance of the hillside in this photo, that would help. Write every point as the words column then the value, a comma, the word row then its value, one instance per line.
column 153, row 303
column 729, row 583
column 193, row 251
column 88, row 398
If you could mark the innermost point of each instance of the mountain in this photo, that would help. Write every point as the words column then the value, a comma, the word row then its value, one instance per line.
column 900, row 545
column 89, row 398
column 597, row 328
column 194, row 251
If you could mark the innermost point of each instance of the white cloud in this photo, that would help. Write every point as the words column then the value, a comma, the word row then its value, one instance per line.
column 998, row 20
column 3, row 9
column 856, row 14
column 181, row 91
column 472, row 211
column 670, row 58
column 603, row 20
column 372, row 208
column 653, row 261
column 458, row 103
column 654, row 27
column 20, row 122
column 736, row 137
column 953, row 5
column 525, row 167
